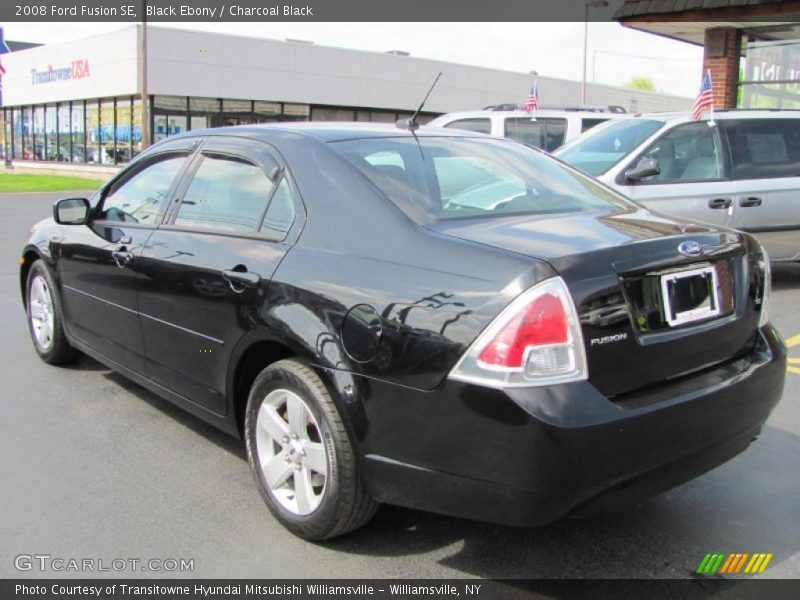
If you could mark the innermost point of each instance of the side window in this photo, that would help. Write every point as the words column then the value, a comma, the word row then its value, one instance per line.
column 686, row 153
column 226, row 193
column 543, row 132
column 281, row 212
column 477, row 125
column 764, row 148
column 587, row 124
column 139, row 199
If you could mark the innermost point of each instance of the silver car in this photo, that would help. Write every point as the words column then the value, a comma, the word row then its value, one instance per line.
column 742, row 170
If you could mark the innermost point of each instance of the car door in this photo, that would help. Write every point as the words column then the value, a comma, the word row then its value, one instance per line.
column 765, row 155
column 693, row 182
column 206, row 270
column 97, row 263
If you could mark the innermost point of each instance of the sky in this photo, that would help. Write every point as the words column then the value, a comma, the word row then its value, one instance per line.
column 615, row 53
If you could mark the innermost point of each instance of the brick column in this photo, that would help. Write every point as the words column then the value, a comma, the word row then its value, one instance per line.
column 721, row 57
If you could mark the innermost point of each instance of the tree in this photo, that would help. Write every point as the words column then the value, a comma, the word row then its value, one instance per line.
column 638, row 82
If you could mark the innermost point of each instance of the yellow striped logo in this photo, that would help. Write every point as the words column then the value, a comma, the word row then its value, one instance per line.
column 734, row 564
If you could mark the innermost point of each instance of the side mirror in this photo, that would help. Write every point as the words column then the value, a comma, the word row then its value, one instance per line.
column 71, row 211
column 646, row 167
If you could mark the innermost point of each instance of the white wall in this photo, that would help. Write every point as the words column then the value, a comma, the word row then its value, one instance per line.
column 187, row 63
column 200, row 64
column 112, row 62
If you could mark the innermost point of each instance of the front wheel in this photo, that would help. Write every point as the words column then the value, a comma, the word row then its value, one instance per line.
column 45, row 317
column 301, row 456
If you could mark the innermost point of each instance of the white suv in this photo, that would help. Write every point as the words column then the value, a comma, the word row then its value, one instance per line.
column 741, row 172
column 550, row 129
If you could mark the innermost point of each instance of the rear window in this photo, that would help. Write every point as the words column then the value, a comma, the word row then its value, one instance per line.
column 434, row 179
column 764, row 148
column 602, row 148
column 546, row 133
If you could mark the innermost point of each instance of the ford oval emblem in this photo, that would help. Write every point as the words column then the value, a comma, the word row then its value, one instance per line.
column 690, row 249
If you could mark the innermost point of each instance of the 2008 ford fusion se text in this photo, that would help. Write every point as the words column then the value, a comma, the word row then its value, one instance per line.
column 414, row 316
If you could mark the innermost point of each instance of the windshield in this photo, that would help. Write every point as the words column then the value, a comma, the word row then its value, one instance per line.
column 602, row 148
column 435, row 178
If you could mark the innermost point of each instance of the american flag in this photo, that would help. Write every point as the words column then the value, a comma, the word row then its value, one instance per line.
column 532, row 103
column 705, row 99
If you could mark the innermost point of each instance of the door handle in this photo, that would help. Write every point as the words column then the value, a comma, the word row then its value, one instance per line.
column 125, row 239
column 238, row 280
column 750, row 201
column 122, row 257
column 720, row 203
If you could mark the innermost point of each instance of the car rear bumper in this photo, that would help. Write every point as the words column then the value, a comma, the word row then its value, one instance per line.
column 527, row 457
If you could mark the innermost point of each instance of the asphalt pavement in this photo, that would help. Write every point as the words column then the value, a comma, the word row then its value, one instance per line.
column 95, row 467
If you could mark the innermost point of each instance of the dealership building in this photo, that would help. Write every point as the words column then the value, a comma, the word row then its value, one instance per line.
column 81, row 101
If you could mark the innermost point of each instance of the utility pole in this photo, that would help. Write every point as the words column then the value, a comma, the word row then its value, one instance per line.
column 143, row 78
column 593, row 4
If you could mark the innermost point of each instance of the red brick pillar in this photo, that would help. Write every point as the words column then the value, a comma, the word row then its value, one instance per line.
column 721, row 57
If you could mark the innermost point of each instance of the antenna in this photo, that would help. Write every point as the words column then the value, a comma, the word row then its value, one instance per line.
column 411, row 124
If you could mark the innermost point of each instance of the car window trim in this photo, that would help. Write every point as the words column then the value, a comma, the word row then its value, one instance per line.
column 207, row 149
column 127, row 174
column 620, row 179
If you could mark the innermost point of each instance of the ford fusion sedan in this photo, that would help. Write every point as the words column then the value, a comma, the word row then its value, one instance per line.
column 741, row 169
column 427, row 318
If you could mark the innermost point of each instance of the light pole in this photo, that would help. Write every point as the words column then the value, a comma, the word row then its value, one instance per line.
column 595, row 4
column 143, row 76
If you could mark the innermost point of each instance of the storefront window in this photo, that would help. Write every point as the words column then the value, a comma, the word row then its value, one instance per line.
column 136, row 135
column 237, row 112
column 5, row 136
column 124, row 130
column 770, row 76
column 78, row 133
column 296, row 112
column 169, row 116
column 205, row 112
column 92, row 132
column 332, row 114
column 51, row 133
column 107, row 130
column 63, row 137
column 38, row 133
column 266, row 111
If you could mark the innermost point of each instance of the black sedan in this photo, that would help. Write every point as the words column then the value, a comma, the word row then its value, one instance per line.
column 427, row 318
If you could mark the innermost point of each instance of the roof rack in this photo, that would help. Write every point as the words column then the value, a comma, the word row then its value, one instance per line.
column 611, row 108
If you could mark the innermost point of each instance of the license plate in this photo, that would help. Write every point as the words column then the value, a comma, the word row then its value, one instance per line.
column 690, row 296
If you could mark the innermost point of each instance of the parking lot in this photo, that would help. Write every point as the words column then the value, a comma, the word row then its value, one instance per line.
column 96, row 467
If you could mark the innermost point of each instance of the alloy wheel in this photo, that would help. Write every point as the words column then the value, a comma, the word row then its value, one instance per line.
column 41, row 312
column 290, row 453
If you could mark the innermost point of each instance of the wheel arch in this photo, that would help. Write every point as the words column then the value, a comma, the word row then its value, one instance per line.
column 29, row 256
column 253, row 355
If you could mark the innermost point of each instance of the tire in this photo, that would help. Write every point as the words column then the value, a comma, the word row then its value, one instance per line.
column 45, row 317
column 293, row 429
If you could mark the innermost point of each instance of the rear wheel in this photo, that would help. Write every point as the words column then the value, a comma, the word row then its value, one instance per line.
column 301, row 456
column 45, row 320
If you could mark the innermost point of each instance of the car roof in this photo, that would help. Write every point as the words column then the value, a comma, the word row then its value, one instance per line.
column 331, row 131
column 721, row 115
column 592, row 114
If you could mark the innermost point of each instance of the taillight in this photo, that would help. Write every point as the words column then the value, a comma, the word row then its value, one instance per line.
column 536, row 340
column 766, row 288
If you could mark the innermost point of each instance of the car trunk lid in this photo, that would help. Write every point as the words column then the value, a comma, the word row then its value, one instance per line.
column 620, row 265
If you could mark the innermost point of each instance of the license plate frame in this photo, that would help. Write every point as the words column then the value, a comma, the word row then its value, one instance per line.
column 709, row 309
